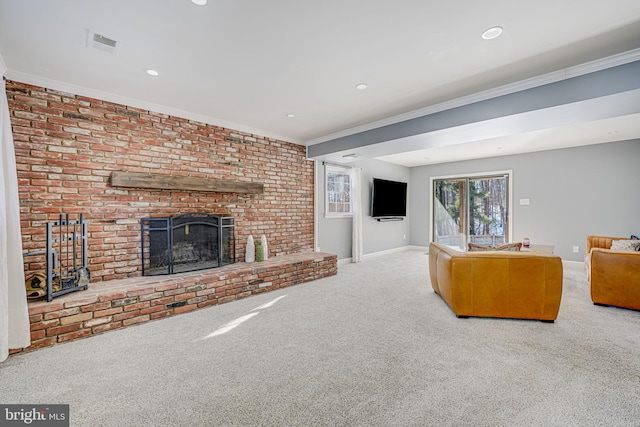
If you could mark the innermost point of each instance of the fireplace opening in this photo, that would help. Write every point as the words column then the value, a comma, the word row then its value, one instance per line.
column 187, row 242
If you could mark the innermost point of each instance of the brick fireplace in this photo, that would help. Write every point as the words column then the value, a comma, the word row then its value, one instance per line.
column 68, row 146
column 69, row 151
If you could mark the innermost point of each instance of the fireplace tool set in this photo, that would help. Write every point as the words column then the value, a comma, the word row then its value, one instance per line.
column 66, row 254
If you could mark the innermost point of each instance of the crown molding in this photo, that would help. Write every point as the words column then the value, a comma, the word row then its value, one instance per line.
column 603, row 63
column 544, row 79
column 136, row 103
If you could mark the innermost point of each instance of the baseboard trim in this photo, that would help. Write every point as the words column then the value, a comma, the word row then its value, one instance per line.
column 424, row 249
column 378, row 254
column 394, row 251
column 418, row 248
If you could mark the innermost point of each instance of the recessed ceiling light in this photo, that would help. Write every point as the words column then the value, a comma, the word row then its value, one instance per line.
column 613, row 132
column 499, row 148
column 361, row 86
column 199, row 2
column 152, row 72
column 291, row 116
column 492, row 33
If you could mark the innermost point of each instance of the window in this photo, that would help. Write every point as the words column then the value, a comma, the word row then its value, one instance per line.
column 338, row 191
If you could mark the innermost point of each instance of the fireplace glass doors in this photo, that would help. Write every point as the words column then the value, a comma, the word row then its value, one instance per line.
column 188, row 242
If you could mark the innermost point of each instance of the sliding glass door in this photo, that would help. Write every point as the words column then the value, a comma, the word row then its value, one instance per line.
column 471, row 209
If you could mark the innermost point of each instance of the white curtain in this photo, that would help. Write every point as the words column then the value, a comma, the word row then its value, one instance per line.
column 14, row 314
column 356, row 205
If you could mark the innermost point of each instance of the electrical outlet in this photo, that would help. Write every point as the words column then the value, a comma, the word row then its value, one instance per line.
column 404, row 236
column 576, row 249
column 525, row 202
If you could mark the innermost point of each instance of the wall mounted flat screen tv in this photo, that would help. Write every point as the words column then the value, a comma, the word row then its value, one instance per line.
column 388, row 198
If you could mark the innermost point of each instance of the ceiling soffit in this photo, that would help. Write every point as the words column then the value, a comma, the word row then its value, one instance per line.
column 603, row 94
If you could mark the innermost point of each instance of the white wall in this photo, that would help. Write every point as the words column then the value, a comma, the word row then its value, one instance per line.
column 334, row 234
column 573, row 193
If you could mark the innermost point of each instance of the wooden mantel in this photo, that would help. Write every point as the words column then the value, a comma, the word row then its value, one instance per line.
column 171, row 182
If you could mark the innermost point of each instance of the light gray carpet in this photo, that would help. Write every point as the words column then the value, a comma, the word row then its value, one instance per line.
column 373, row 346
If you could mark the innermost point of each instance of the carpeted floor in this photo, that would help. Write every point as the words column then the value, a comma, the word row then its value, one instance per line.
column 373, row 346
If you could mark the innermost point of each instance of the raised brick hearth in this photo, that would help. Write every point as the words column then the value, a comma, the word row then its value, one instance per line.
column 119, row 303
column 72, row 154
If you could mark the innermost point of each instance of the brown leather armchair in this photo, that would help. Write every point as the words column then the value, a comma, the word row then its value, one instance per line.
column 614, row 275
column 506, row 284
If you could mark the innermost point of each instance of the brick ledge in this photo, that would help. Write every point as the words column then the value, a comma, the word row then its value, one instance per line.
column 120, row 303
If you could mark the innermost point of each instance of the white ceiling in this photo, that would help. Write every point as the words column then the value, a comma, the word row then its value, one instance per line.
column 247, row 64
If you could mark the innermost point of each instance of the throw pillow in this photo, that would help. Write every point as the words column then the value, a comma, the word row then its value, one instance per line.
column 474, row 247
column 510, row 247
column 625, row 245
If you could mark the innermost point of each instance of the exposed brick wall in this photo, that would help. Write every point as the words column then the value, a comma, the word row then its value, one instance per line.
column 121, row 303
column 68, row 145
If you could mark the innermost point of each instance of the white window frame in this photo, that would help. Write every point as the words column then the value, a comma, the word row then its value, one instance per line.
column 508, row 173
column 329, row 168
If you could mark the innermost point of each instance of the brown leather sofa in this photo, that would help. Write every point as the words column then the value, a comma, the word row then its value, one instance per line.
column 506, row 284
column 614, row 275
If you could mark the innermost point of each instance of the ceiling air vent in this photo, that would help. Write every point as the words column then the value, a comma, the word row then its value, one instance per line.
column 100, row 42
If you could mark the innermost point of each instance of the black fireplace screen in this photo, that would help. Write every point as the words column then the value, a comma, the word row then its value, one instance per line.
column 188, row 242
